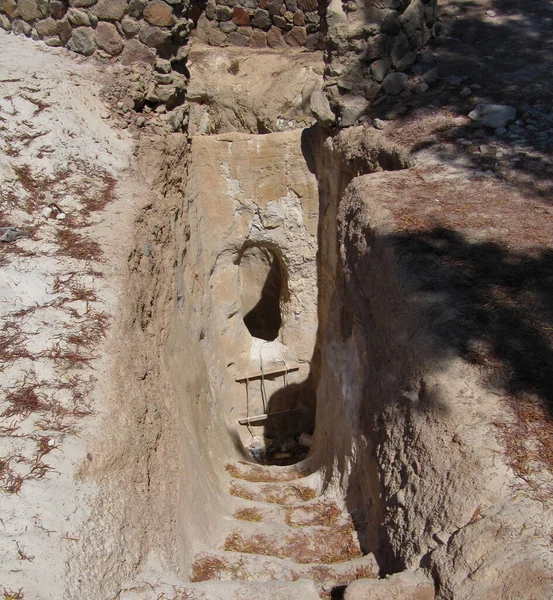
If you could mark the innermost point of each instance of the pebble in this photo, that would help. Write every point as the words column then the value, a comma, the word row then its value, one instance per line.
column 379, row 124
column 61, row 216
column 104, row 116
column 47, row 212
column 466, row 91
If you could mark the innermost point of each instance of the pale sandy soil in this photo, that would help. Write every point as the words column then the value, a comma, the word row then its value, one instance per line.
column 58, row 299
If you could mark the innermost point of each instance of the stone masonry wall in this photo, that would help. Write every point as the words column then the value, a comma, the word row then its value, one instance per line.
column 262, row 23
column 149, row 36
column 371, row 53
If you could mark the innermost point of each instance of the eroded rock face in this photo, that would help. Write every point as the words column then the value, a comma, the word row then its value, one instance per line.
column 252, row 205
column 234, row 89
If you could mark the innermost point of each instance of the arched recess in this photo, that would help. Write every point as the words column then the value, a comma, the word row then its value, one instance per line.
column 262, row 290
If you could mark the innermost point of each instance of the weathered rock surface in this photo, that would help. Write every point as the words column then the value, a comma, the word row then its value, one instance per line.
column 83, row 41
column 493, row 115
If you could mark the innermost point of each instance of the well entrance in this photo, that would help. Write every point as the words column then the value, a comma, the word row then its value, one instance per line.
column 261, row 287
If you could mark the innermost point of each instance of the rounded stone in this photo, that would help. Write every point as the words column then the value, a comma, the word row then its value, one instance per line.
column 57, row 9
column 83, row 41
column 130, row 26
column 394, row 83
column 237, row 39
column 20, row 27
column 29, row 10
column 108, row 38
column 78, row 18
column 240, row 16
column 262, row 19
column 110, row 10
column 136, row 8
column 227, row 27
column 153, row 36
column 47, row 27
column 159, row 13
column 223, row 13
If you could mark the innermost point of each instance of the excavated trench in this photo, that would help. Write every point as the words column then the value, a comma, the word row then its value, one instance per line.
column 291, row 402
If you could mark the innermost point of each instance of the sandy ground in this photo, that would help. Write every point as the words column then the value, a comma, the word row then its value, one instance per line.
column 65, row 178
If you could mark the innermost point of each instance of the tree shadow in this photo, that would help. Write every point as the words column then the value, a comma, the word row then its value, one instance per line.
column 490, row 304
column 496, row 52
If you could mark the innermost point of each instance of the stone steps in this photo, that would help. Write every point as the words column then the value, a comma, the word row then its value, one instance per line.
column 282, row 493
column 236, row 566
column 226, row 590
column 308, row 544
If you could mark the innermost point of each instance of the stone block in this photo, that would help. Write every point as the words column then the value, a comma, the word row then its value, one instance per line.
column 136, row 8
column 78, row 18
column 110, row 10
column 406, row 62
column 275, row 38
column 274, row 6
column 227, row 27
column 298, row 18
column 380, row 68
column 240, row 16
column 258, row 39
column 5, row 23
column 83, row 41
column 57, row 9
column 159, row 13
column 153, row 36
column 108, row 38
column 216, row 37
column 81, row 3
column 46, row 27
column 391, row 23
column 408, row 585
column 30, row 10
column 223, row 13
column 53, row 41
column 413, row 23
column 237, row 39
column 20, row 27
column 64, row 30
column 308, row 5
column 313, row 42
column 130, row 26
column 400, row 48
column 134, row 52
column 262, row 19
column 9, row 7
column 296, row 37
column 394, row 83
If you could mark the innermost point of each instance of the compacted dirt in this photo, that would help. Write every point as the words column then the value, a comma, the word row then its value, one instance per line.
column 66, row 184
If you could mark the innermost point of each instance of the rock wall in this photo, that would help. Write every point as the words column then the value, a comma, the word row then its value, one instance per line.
column 262, row 23
column 150, row 36
column 371, row 46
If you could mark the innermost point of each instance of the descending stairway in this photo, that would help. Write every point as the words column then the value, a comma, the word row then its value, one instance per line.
column 283, row 533
column 284, row 541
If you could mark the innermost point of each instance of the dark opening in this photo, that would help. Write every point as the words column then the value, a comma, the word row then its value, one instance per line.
column 262, row 276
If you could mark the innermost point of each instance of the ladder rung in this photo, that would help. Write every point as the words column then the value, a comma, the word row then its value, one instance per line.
column 267, row 372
